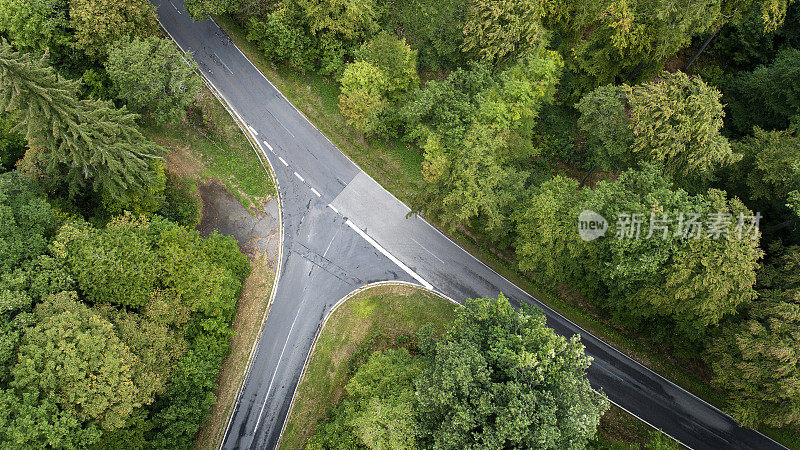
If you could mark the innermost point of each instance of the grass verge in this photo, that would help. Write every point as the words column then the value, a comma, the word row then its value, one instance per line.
column 209, row 144
column 370, row 319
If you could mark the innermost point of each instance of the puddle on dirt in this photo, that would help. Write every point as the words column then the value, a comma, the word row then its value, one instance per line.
column 223, row 212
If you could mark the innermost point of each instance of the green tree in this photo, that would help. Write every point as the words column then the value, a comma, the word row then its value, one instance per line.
column 768, row 97
column 35, row 24
column 281, row 38
column 98, row 23
column 521, row 91
column 548, row 242
column 677, row 121
column 623, row 39
column 395, row 59
column 604, row 120
column 74, row 140
column 467, row 180
column 434, row 28
column 446, row 108
column 201, row 9
column 378, row 411
column 152, row 77
column 500, row 378
column 27, row 222
column 74, row 377
column 498, row 30
column 771, row 165
column 338, row 27
column 12, row 144
column 757, row 361
column 710, row 278
column 470, row 138
column 115, row 264
column 363, row 101
column 689, row 274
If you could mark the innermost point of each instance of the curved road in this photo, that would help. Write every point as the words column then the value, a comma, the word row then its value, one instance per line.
column 342, row 230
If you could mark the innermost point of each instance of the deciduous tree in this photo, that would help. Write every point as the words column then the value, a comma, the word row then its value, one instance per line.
column 35, row 24
column 505, row 29
column 153, row 78
column 73, row 378
column 604, row 119
column 98, row 23
column 363, row 101
column 500, row 378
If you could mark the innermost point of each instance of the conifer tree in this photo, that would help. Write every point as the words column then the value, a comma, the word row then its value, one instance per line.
column 80, row 142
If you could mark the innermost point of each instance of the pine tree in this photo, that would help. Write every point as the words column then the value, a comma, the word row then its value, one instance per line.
column 78, row 141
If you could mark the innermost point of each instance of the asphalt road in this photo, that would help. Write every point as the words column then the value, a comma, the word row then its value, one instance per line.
column 342, row 230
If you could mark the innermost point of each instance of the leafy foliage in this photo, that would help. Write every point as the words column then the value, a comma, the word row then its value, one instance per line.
column 469, row 138
column 432, row 27
column 201, row 9
column 35, row 24
column 153, row 78
column 74, row 375
column 501, row 378
column 395, row 59
column 771, row 166
column 362, row 101
column 378, row 412
column 622, row 39
column 282, row 39
column 12, row 144
column 99, row 22
column 768, row 97
column 547, row 241
column 503, row 29
column 677, row 121
column 604, row 119
column 757, row 360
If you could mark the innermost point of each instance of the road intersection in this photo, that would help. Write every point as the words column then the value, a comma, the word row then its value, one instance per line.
column 343, row 231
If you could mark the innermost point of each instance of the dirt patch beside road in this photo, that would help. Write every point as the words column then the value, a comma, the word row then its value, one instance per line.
column 256, row 234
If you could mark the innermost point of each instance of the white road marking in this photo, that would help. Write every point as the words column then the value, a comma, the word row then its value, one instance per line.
column 268, row 146
column 331, row 242
column 272, row 380
column 176, row 8
column 283, row 161
column 385, row 253
column 299, row 177
column 333, row 208
column 229, row 70
column 315, row 192
column 252, row 130
column 440, row 260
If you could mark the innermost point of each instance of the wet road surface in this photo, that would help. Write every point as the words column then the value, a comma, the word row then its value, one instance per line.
column 342, row 231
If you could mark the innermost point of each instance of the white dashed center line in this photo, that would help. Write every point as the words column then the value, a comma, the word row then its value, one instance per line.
column 283, row 161
column 315, row 192
column 252, row 130
column 269, row 146
column 333, row 208
column 299, row 177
